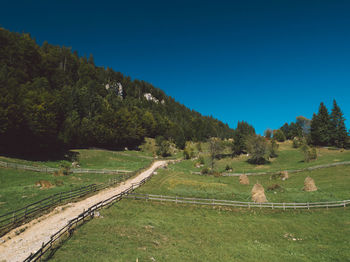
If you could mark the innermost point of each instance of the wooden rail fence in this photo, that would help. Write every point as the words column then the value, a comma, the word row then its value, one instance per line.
column 219, row 202
column 79, row 220
column 14, row 218
column 52, row 169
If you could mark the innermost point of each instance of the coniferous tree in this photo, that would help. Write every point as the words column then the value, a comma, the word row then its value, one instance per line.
column 242, row 132
column 321, row 127
column 338, row 129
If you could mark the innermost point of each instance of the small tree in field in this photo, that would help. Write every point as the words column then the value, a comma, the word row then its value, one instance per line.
column 215, row 147
column 273, row 148
column 310, row 153
column 163, row 146
column 188, row 151
column 279, row 135
column 258, row 149
column 268, row 133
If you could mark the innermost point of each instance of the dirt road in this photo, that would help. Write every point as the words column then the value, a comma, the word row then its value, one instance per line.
column 17, row 247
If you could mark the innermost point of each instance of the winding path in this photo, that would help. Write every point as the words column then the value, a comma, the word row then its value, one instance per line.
column 17, row 247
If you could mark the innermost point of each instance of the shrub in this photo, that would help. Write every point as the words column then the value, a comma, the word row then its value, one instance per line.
column 273, row 148
column 268, row 133
column 227, row 168
column 65, row 169
column 275, row 187
column 149, row 146
column 201, row 160
column 205, row 171
column 309, row 153
column 258, row 149
column 216, row 173
column 163, row 147
column 188, row 151
column 199, row 147
column 279, row 135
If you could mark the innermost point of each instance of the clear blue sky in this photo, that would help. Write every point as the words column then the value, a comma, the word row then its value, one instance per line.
column 265, row 62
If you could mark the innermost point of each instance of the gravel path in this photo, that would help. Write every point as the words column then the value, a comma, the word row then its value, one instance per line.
column 17, row 247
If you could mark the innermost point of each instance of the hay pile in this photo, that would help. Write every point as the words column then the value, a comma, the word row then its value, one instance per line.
column 309, row 185
column 258, row 194
column 243, row 180
column 284, row 175
column 43, row 184
column 58, row 173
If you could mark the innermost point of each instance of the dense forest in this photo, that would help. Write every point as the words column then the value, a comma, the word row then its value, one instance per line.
column 53, row 99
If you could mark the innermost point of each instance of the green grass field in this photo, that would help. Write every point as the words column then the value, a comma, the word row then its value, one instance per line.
column 333, row 184
column 95, row 159
column 134, row 230
column 17, row 187
column 289, row 158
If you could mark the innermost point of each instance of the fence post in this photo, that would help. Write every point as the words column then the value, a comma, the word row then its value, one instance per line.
column 308, row 206
column 13, row 217
column 344, row 204
column 284, row 207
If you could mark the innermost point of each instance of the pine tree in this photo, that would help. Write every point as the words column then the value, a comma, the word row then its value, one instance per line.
column 338, row 129
column 321, row 127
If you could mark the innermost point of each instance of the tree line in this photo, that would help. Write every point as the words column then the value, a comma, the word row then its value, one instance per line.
column 324, row 129
column 52, row 99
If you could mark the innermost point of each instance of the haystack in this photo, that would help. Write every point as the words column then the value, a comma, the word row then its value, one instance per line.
column 284, row 175
column 43, row 184
column 243, row 179
column 258, row 194
column 309, row 184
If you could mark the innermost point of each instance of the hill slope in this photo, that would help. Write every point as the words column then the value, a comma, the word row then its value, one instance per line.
column 50, row 98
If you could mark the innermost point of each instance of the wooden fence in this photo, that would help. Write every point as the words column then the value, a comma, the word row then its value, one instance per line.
column 85, row 216
column 52, row 169
column 14, row 218
column 218, row 202
column 290, row 171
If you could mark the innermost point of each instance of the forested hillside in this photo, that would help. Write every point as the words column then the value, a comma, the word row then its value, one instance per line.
column 52, row 99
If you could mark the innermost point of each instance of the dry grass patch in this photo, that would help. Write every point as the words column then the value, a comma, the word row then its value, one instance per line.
column 44, row 184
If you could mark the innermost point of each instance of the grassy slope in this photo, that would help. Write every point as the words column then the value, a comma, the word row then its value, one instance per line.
column 17, row 187
column 289, row 158
column 333, row 184
column 95, row 159
column 169, row 232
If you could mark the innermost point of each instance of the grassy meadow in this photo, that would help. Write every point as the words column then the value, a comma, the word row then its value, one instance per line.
column 17, row 187
column 133, row 230
column 333, row 184
column 94, row 159
column 289, row 158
